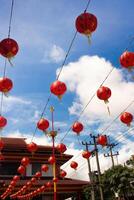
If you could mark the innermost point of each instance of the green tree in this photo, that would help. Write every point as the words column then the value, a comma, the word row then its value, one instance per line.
column 114, row 180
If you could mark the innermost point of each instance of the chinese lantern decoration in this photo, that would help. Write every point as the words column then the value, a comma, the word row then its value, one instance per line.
column 77, row 127
column 6, row 85
column 48, row 184
column 63, row 173
column 74, row 165
column 104, row 93
column 21, row 170
column 25, row 161
column 127, row 60
column 58, row 88
column 33, row 180
column 38, row 174
column 43, row 124
column 61, row 148
column 86, row 24
column 3, row 122
column 1, row 156
column 51, row 160
column 55, row 180
column 32, row 147
column 16, row 178
column 102, row 140
column 8, row 48
column 86, row 154
column 1, row 144
column 126, row 118
column 44, row 168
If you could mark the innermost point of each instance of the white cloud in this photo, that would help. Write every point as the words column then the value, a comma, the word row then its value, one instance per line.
column 55, row 55
column 84, row 77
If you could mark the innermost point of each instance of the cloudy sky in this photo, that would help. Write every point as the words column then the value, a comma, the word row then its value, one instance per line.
column 44, row 30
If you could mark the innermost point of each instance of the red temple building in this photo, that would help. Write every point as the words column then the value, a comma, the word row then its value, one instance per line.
column 15, row 149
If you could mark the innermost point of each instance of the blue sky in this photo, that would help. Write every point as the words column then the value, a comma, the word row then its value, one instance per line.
column 43, row 27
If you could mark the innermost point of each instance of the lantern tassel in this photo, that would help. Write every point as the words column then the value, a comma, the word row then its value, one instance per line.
column 108, row 109
column 9, row 60
column 59, row 97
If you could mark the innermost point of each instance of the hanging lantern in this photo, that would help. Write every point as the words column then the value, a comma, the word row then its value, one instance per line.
column 63, row 173
column 126, row 118
column 32, row 147
column 74, row 165
column 102, row 140
column 13, row 183
column 48, row 184
column 38, row 174
column 28, row 184
column 1, row 156
column 44, row 168
column 58, row 88
column 86, row 24
column 33, row 180
column 86, row 154
column 55, row 180
column 77, row 127
column 51, row 160
column 25, row 161
column 6, row 85
column 127, row 60
column 16, row 178
column 21, row 170
column 43, row 124
column 8, row 48
column 104, row 93
column 1, row 144
column 61, row 148
column 3, row 122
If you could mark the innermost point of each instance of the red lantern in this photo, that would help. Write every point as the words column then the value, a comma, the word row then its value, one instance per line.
column 29, row 184
column 127, row 59
column 104, row 93
column 33, row 180
column 55, row 180
column 13, row 183
column 1, row 144
column 6, row 85
column 38, row 174
column 126, row 118
column 8, row 48
column 25, row 161
column 77, row 127
column 43, row 124
column 1, row 156
column 86, row 23
column 21, row 170
column 44, row 168
column 48, row 184
column 86, row 154
column 32, row 147
column 58, row 88
column 16, row 178
column 74, row 165
column 102, row 140
column 63, row 173
column 51, row 160
column 3, row 122
column 61, row 147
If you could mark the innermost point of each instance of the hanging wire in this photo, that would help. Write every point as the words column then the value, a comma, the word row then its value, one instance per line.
column 85, row 107
column 10, row 18
column 117, row 117
column 61, row 68
column 5, row 65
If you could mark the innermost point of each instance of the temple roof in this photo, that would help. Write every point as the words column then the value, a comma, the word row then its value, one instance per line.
column 17, row 147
